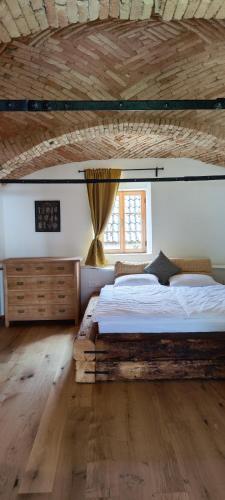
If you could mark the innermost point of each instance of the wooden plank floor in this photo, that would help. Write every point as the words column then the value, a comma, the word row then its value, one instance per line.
column 115, row 441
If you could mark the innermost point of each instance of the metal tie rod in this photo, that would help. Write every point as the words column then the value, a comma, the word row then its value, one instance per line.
column 190, row 178
column 27, row 105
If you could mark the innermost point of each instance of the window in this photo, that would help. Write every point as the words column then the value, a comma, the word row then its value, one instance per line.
column 126, row 228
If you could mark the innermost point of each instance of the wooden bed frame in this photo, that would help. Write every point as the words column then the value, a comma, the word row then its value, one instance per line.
column 136, row 356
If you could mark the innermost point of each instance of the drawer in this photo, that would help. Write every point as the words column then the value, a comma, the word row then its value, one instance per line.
column 41, row 297
column 24, row 268
column 20, row 313
column 40, row 282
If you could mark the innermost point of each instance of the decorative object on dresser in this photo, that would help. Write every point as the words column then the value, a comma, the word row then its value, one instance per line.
column 42, row 289
column 47, row 216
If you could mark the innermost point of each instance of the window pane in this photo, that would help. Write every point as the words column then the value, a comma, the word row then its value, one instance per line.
column 133, row 222
column 125, row 231
column 112, row 231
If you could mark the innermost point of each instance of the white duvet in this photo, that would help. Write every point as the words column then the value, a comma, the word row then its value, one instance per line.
column 159, row 308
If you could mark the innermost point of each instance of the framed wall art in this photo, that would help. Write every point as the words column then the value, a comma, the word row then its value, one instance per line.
column 47, row 216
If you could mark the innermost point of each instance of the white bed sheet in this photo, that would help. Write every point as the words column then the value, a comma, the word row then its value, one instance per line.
column 160, row 309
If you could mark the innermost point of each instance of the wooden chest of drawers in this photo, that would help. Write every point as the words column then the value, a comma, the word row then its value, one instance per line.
column 41, row 288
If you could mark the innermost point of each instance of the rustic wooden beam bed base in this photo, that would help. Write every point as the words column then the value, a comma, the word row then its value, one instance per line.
column 166, row 356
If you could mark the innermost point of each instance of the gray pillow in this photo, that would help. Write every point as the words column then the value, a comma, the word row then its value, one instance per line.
column 163, row 268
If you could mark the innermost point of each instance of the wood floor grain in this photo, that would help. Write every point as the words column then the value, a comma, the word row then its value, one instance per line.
column 115, row 441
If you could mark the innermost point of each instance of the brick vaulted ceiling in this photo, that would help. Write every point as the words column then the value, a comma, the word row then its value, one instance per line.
column 63, row 56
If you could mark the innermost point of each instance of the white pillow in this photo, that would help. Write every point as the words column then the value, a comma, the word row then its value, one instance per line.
column 136, row 280
column 192, row 280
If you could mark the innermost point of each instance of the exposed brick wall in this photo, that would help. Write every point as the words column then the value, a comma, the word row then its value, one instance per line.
column 120, row 140
column 113, row 60
column 24, row 17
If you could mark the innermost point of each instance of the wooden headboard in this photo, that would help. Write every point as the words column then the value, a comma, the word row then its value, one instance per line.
column 201, row 266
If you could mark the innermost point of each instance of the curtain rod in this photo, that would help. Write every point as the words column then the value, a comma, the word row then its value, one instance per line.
column 121, row 105
column 190, row 178
column 156, row 169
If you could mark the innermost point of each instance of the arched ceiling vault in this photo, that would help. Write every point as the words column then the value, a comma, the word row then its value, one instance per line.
column 119, row 139
column 113, row 60
column 25, row 17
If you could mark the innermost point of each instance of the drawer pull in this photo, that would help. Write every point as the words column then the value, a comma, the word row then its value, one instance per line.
column 41, row 296
column 21, row 310
column 61, row 282
column 41, row 310
column 61, row 296
column 62, row 310
column 19, row 268
column 41, row 282
column 20, row 297
column 39, row 268
column 20, row 282
column 60, row 268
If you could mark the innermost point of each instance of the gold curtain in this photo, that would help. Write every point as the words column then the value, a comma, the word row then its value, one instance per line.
column 101, row 198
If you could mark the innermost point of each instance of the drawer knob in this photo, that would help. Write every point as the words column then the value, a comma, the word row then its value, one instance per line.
column 19, row 268
column 21, row 311
column 62, row 310
column 20, row 282
column 41, row 296
column 40, row 282
column 20, row 297
column 61, row 296
column 41, row 310
column 60, row 268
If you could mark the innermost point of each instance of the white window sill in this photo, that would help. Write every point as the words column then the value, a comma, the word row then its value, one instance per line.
column 147, row 254
column 128, row 257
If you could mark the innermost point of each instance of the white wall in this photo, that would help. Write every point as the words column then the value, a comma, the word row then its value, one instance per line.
column 1, row 254
column 187, row 218
column 18, row 212
column 1, row 226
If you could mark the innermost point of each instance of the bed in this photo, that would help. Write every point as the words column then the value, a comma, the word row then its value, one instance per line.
column 153, row 332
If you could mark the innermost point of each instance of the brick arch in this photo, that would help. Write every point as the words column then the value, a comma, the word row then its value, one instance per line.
column 119, row 139
column 111, row 60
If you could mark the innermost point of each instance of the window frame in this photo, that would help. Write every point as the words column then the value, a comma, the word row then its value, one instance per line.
column 122, row 249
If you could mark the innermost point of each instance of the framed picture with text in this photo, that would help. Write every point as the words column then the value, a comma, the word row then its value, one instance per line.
column 47, row 216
